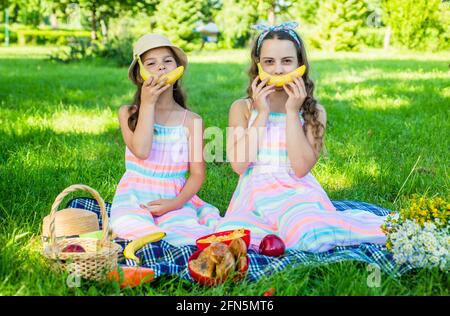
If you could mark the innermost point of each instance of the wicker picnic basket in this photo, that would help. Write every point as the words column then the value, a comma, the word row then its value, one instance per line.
column 100, row 256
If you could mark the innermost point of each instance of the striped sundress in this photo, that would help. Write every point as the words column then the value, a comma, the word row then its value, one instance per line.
column 271, row 199
column 161, row 176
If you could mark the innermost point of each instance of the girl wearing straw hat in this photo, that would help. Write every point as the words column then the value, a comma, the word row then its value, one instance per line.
column 163, row 142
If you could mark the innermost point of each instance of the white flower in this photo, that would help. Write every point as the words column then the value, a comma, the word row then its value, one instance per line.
column 419, row 246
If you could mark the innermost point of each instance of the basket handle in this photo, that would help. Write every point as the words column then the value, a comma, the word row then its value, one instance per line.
column 62, row 195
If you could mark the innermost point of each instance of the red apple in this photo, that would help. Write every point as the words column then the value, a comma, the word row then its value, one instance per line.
column 272, row 246
column 73, row 248
column 269, row 292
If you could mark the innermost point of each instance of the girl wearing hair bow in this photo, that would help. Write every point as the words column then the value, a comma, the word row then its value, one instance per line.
column 283, row 128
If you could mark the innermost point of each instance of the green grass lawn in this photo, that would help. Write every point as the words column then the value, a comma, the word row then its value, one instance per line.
column 387, row 112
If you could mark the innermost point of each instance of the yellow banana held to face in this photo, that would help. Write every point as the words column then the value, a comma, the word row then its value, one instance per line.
column 280, row 81
column 172, row 76
column 135, row 245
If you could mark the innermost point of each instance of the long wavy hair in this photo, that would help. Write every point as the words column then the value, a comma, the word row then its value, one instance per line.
column 178, row 94
column 309, row 109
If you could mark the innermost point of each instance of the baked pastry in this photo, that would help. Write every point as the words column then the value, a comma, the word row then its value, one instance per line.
column 226, row 265
column 241, row 263
column 238, row 248
column 217, row 251
column 203, row 265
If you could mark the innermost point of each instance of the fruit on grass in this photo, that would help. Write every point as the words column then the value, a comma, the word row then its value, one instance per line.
column 73, row 248
column 269, row 292
column 135, row 245
column 272, row 246
column 280, row 80
column 129, row 276
column 171, row 77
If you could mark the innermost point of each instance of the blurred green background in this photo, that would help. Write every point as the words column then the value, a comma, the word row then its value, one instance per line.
column 108, row 28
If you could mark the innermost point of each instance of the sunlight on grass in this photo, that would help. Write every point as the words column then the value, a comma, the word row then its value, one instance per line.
column 332, row 178
column 338, row 182
column 75, row 121
column 374, row 54
column 446, row 92
column 222, row 56
column 355, row 92
column 372, row 168
column 414, row 75
column 385, row 102
column 353, row 76
column 32, row 52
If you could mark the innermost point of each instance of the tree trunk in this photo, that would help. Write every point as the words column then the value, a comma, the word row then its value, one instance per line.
column 53, row 21
column 6, row 26
column 272, row 17
column 94, row 24
column 104, row 30
column 387, row 38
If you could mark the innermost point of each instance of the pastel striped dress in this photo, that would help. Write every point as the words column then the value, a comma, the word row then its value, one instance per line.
column 271, row 199
column 161, row 176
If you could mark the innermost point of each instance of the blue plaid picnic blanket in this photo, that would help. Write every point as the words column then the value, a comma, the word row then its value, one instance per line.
column 164, row 258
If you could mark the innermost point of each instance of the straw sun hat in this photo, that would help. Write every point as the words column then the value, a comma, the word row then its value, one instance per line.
column 150, row 41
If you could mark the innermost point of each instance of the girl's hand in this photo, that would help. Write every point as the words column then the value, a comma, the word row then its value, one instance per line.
column 151, row 90
column 162, row 206
column 260, row 94
column 297, row 94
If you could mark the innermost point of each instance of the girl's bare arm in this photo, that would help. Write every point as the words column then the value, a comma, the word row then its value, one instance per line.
column 140, row 141
column 243, row 142
column 302, row 153
column 193, row 184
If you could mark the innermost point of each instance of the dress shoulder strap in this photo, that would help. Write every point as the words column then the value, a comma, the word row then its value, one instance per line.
column 249, row 104
column 184, row 117
column 251, row 117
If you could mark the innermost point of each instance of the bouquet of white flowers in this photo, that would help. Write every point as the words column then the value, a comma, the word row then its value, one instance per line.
column 420, row 235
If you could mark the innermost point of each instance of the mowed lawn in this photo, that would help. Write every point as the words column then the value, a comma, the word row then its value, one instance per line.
column 387, row 138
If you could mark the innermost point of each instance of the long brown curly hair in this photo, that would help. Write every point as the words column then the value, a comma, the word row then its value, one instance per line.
column 309, row 109
column 178, row 94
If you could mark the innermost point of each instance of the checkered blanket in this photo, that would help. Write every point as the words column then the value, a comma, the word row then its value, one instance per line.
column 164, row 258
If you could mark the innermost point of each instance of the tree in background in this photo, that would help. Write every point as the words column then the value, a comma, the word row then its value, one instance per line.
column 444, row 26
column 99, row 12
column 305, row 11
column 339, row 24
column 177, row 19
column 28, row 12
column 270, row 10
column 413, row 22
column 236, row 18
column 210, row 9
column 235, row 21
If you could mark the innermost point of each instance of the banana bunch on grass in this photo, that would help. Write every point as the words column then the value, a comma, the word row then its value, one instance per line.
column 281, row 80
column 135, row 245
column 172, row 76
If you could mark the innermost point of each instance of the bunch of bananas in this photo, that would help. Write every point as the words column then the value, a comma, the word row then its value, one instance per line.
column 171, row 77
column 281, row 80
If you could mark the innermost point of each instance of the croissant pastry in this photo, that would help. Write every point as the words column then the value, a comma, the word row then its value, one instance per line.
column 238, row 248
column 226, row 266
column 217, row 252
column 203, row 265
